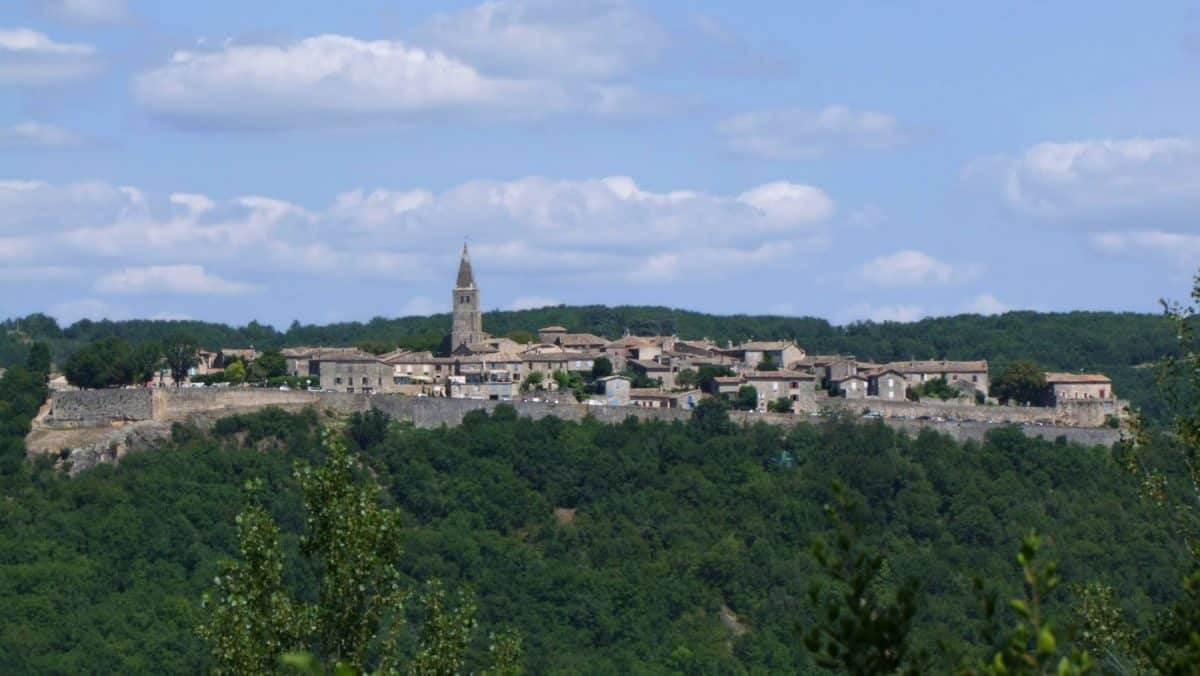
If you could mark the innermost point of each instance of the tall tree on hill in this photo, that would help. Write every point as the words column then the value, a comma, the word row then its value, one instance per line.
column 145, row 360
column 38, row 361
column 180, row 352
column 357, row 621
column 1023, row 382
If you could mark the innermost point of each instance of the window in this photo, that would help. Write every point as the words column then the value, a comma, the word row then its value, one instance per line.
column 891, row 383
column 337, row 380
column 974, row 379
column 364, row 380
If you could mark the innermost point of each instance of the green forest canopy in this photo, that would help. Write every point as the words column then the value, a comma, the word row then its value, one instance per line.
column 1122, row 345
column 671, row 523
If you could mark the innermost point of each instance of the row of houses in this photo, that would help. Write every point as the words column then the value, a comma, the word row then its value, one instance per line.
column 494, row 368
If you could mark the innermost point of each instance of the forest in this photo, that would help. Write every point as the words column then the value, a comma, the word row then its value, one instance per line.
column 1125, row 346
column 642, row 547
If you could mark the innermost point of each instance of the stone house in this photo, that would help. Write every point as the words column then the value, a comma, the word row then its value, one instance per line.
column 888, row 384
column 548, row 363
column 422, row 367
column 797, row 386
column 652, row 398
column 348, row 372
column 962, row 375
column 615, row 390
column 656, row 369
column 851, row 387
column 782, row 353
column 1075, row 386
column 630, row 348
column 490, row 383
column 557, row 335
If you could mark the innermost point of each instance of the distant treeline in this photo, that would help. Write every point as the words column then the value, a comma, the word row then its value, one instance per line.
column 1122, row 345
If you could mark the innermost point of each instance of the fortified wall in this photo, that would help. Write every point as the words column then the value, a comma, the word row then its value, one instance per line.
column 106, row 408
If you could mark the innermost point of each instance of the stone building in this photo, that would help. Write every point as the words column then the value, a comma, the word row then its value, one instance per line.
column 654, row 398
column 1075, row 386
column 616, row 390
column 467, row 323
column 962, row 375
column 851, row 386
column 781, row 353
column 351, row 372
column 888, row 384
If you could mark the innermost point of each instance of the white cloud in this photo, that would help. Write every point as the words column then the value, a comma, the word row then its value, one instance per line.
column 914, row 268
column 86, row 11
column 1098, row 183
column 169, row 279
column 598, row 231
column 532, row 303
column 37, row 135
column 597, row 39
column 798, row 133
column 30, row 58
column 335, row 81
column 884, row 313
column 986, row 304
column 1180, row 249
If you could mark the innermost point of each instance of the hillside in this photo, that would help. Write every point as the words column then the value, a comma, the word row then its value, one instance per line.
column 1123, row 345
column 612, row 549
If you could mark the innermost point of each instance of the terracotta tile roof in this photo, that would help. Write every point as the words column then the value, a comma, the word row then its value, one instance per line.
column 628, row 341
column 559, row 356
column 1077, row 379
column 650, row 365
column 767, row 345
column 941, row 366
column 780, row 374
column 822, row 359
column 651, row 393
column 571, row 339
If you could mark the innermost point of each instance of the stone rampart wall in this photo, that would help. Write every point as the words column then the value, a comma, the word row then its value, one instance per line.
column 1072, row 414
column 101, row 407
column 175, row 404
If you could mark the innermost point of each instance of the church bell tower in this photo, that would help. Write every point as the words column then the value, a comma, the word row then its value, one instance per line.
column 467, row 327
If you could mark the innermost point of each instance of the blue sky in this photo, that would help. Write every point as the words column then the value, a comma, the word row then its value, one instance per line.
column 324, row 161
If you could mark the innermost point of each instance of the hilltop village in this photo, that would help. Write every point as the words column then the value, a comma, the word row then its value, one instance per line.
column 651, row 371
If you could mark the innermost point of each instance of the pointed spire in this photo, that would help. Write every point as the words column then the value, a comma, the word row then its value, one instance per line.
column 466, row 279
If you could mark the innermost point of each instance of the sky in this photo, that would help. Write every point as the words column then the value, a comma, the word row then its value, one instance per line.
column 279, row 160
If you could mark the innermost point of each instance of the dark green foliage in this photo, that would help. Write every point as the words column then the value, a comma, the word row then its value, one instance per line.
column 780, row 405
column 270, row 364
column 1022, row 382
column 673, row 524
column 936, row 388
column 38, row 361
column 602, row 368
column 105, row 363
column 179, row 352
column 1032, row 645
column 369, row 428
column 747, row 398
column 856, row 631
column 706, row 374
